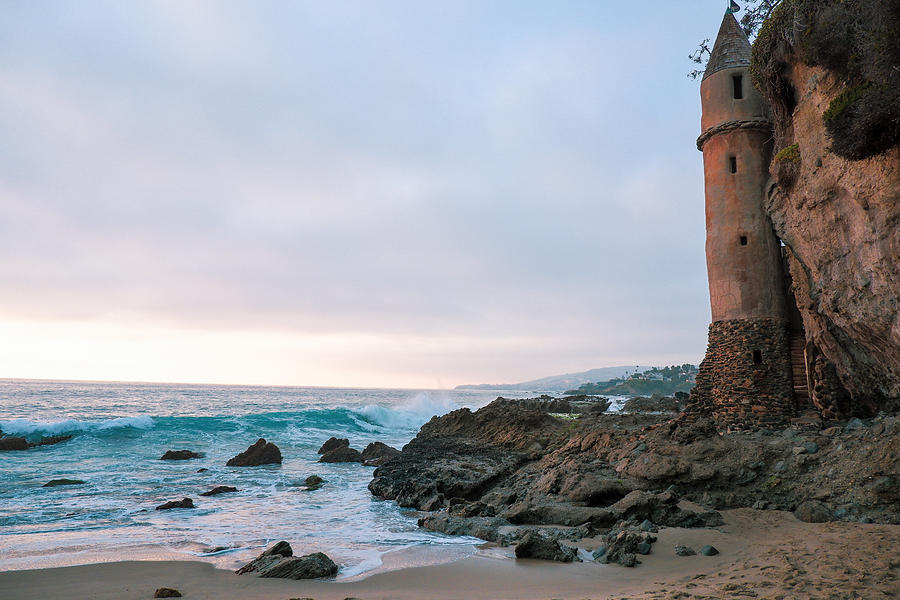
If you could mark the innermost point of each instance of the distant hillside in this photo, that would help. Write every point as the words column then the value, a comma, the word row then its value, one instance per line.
column 665, row 380
column 559, row 383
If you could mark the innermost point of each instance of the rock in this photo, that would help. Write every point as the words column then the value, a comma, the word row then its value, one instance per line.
column 655, row 403
column 813, row 511
column 780, row 467
column 260, row 453
column 165, row 592
column 14, row 443
column 377, row 453
column 333, row 443
column 279, row 562
column 58, row 482
column 811, row 447
column 854, row 424
column 202, row 470
column 878, row 428
column 831, row 431
column 798, row 450
column 310, row 566
column 662, row 509
column 886, row 486
column 342, row 454
column 52, row 440
column 628, row 560
column 623, row 542
column 598, row 553
column 648, row 525
column 708, row 550
column 534, row 545
column 181, row 455
column 220, row 489
column 684, row 550
column 313, row 482
column 184, row 503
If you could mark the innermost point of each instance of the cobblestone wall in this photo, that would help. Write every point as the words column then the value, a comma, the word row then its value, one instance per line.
column 744, row 381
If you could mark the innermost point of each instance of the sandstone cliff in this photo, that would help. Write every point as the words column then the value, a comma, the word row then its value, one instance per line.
column 839, row 214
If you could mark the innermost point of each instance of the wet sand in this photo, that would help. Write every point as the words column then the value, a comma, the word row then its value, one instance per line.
column 764, row 554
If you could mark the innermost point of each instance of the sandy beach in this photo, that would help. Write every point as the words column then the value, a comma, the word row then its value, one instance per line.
column 764, row 554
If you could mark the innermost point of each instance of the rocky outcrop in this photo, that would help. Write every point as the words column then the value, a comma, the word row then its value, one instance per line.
column 378, row 453
column 220, row 489
column 342, row 454
column 183, row 503
column 20, row 443
column 14, row 443
column 279, row 561
column 180, row 455
column 59, row 482
column 535, row 545
column 260, row 453
column 333, row 443
column 835, row 200
column 496, row 472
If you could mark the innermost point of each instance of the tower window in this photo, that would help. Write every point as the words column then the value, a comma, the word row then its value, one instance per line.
column 743, row 240
column 737, row 82
column 757, row 357
column 732, row 163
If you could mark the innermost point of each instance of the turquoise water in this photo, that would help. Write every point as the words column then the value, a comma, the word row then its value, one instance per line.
column 120, row 431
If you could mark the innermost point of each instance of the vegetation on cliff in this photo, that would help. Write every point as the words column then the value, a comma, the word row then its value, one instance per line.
column 658, row 380
column 857, row 41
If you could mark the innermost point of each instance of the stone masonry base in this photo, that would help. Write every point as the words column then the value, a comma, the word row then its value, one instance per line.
column 745, row 381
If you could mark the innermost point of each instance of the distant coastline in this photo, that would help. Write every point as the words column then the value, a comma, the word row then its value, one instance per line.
column 558, row 383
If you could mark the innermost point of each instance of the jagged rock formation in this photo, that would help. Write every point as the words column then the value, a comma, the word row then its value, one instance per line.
column 508, row 467
column 835, row 200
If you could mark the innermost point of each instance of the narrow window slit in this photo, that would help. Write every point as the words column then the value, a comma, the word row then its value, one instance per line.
column 732, row 163
column 743, row 240
column 738, row 83
column 757, row 357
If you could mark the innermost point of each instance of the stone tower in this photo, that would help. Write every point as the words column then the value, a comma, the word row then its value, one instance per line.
column 745, row 379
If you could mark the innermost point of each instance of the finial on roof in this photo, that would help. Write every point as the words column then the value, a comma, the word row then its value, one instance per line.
column 732, row 48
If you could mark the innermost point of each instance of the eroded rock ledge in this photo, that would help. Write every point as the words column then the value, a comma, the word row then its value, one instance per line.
column 511, row 467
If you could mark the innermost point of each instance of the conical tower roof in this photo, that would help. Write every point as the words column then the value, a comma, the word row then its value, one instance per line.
column 732, row 48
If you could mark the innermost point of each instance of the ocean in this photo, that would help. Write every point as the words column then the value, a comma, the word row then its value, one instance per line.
column 120, row 431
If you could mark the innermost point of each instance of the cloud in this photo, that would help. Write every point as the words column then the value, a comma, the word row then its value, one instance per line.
column 451, row 171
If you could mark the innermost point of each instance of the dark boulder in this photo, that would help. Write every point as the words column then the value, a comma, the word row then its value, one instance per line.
column 167, row 593
column 313, row 482
column 333, row 444
column 260, row 453
column 813, row 511
column 14, row 443
column 220, row 489
column 184, row 503
column 378, row 453
column 279, row 561
column 342, row 454
column 180, row 455
column 681, row 550
column 534, row 545
column 624, row 542
column 708, row 550
column 52, row 439
column 58, row 482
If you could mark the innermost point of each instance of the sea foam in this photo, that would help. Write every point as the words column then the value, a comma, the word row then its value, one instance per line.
column 29, row 427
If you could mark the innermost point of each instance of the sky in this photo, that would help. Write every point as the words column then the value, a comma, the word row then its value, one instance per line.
column 349, row 193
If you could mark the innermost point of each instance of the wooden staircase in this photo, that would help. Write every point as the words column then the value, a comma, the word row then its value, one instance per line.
column 798, row 368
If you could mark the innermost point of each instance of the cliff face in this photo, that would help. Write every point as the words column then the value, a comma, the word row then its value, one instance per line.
column 841, row 221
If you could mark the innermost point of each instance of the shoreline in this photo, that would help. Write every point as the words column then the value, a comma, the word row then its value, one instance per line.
column 764, row 554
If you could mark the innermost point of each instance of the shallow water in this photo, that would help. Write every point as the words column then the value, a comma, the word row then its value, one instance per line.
column 121, row 429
